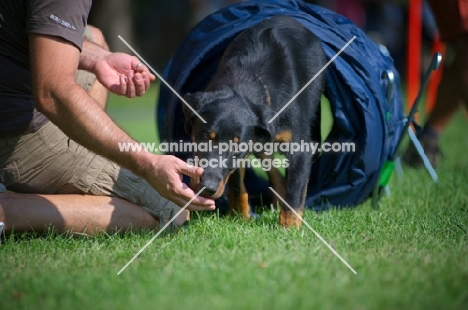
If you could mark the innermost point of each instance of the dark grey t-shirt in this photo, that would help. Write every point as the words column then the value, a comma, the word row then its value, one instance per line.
column 18, row 18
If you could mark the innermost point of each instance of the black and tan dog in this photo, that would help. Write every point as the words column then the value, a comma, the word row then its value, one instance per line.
column 261, row 70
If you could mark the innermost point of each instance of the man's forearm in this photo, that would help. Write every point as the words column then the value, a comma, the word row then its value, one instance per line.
column 66, row 104
column 81, row 118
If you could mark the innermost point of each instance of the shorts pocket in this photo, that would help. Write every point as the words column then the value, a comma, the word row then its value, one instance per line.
column 53, row 139
column 9, row 174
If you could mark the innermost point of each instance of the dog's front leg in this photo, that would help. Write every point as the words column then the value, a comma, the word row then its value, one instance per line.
column 237, row 194
column 297, row 178
column 277, row 181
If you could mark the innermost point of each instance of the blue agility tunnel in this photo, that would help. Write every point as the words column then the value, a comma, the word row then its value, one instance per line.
column 356, row 89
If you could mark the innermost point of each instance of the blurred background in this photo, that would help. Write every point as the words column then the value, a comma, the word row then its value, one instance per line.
column 156, row 28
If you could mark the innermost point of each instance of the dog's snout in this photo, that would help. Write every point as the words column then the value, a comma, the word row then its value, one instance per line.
column 210, row 188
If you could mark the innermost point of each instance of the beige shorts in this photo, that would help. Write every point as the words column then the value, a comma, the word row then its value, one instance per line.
column 48, row 162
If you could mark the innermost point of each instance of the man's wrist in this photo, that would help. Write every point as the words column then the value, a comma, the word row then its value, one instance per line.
column 91, row 55
column 144, row 163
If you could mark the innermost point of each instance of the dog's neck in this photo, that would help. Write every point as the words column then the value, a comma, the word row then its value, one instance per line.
column 240, row 81
column 265, row 88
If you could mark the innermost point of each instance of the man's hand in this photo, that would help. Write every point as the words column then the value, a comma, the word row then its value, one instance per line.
column 123, row 74
column 165, row 175
column 120, row 73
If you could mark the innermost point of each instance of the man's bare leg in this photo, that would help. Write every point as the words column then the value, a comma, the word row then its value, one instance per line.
column 76, row 213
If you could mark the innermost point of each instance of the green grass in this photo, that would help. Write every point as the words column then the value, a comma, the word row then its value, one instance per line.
column 412, row 253
column 137, row 115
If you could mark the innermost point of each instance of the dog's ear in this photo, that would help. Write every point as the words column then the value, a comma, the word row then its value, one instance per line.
column 265, row 131
column 198, row 100
column 195, row 101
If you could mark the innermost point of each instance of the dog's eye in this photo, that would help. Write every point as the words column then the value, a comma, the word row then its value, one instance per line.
column 209, row 135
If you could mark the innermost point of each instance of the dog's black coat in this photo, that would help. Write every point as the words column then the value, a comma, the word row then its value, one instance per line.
column 260, row 71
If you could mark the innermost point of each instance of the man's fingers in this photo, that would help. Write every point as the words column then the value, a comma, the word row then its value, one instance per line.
column 130, row 87
column 194, row 206
column 140, row 67
column 139, row 82
column 198, row 204
column 151, row 77
column 123, row 85
column 185, row 193
column 146, row 80
column 189, row 170
column 171, row 186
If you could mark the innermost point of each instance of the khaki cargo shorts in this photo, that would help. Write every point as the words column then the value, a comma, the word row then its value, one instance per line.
column 48, row 162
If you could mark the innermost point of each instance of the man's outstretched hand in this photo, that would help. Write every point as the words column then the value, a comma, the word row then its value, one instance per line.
column 123, row 74
column 165, row 175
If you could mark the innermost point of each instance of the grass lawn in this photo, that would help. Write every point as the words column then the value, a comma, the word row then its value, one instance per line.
column 412, row 253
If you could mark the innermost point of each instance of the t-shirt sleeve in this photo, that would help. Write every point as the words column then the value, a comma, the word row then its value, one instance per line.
column 62, row 18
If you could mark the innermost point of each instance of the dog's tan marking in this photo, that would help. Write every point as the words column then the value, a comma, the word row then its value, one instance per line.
column 194, row 183
column 220, row 190
column 277, row 181
column 284, row 136
column 221, row 186
column 239, row 199
column 239, row 205
column 235, row 139
column 267, row 93
column 288, row 219
column 212, row 135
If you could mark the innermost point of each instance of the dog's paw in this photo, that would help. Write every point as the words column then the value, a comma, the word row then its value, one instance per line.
column 289, row 219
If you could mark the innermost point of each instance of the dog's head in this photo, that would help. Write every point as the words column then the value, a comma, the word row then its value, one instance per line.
column 230, row 120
